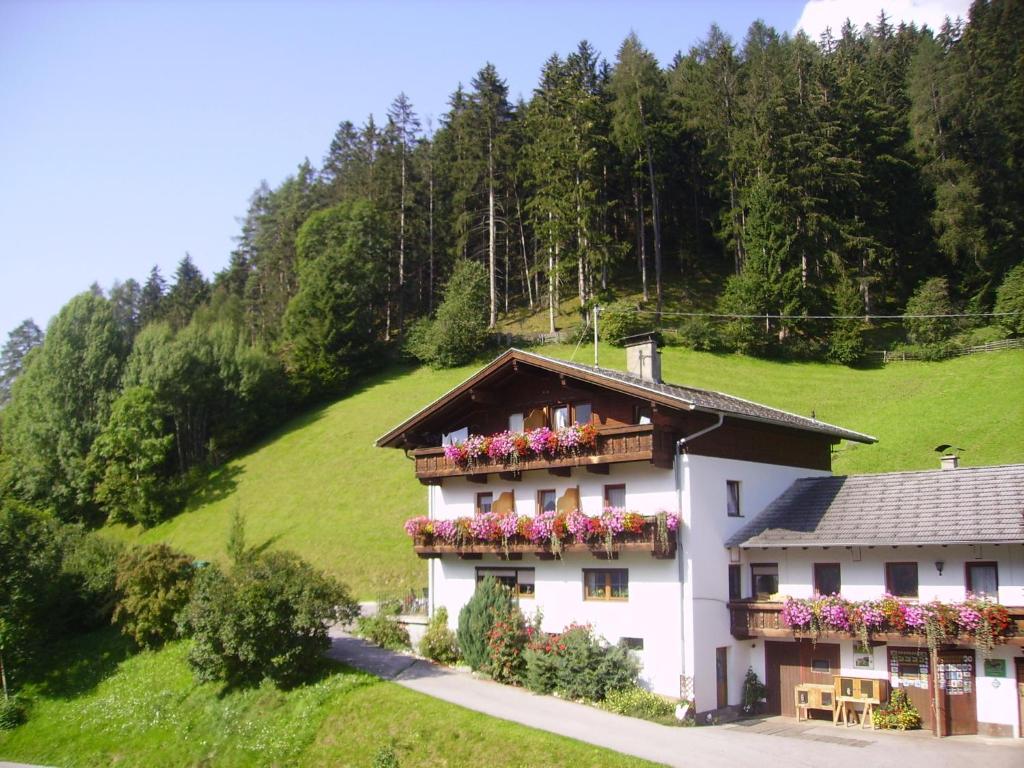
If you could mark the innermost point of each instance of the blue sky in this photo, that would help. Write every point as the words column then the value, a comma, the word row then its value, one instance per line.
column 132, row 132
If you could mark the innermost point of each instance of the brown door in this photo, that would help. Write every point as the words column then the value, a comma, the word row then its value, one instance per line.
column 818, row 663
column 722, row 676
column 957, row 689
column 910, row 671
column 782, row 673
column 1020, row 696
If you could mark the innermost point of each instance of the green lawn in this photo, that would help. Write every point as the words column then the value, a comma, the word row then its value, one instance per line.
column 97, row 705
column 319, row 486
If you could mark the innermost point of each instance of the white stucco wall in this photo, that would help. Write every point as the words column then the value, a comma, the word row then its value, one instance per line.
column 706, row 592
column 997, row 696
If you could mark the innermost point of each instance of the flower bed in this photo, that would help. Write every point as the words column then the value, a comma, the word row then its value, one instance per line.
column 982, row 620
column 547, row 531
column 509, row 448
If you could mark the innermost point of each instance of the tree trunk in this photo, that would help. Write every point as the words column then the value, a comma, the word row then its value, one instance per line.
column 491, row 233
column 641, row 239
column 656, row 222
column 430, row 289
column 401, row 246
column 522, row 243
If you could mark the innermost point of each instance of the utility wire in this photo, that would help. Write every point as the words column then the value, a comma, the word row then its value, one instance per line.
column 583, row 335
column 818, row 317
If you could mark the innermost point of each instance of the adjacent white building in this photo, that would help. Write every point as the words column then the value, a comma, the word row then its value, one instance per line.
column 710, row 459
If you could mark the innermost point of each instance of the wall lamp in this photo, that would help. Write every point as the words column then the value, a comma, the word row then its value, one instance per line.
column 939, row 565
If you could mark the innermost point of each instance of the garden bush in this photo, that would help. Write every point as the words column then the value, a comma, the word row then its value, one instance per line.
column 621, row 319
column 899, row 714
column 12, row 712
column 153, row 585
column 386, row 757
column 505, row 643
column 90, row 563
column 384, row 630
column 637, row 702
column 700, row 334
column 477, row 617
column 754, row 691
column 577, row 664
column 267, row 618
column 439, row 643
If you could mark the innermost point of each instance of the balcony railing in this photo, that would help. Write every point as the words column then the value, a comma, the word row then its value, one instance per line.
column 647, row 539
column 635, row 442
column 762, row 618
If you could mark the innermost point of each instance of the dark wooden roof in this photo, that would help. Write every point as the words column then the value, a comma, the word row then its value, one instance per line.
column 670, row 395
column 976, row 505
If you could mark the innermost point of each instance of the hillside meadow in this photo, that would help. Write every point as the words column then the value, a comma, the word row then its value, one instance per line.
column 320, row 487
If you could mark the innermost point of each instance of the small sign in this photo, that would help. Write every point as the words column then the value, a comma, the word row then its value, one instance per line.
column 995, row 667
column 863, row 656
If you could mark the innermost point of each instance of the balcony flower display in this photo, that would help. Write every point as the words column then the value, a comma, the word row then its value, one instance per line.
column 549, row 531
column 938, row 622
column 510, row 447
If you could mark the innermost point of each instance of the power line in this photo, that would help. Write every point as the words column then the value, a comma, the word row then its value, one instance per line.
column 819, row 317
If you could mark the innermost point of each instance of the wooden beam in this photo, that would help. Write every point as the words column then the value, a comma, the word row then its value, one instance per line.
column 484, row 398
column 560, row 471
column 597, row 469
column 513, row 477
column 481, row 478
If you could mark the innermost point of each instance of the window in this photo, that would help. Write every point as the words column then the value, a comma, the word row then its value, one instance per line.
column 734, row 582
column 901, row 579
column 643, row 414
column 983, row 579
column 520, row 581
column 732, row 493
column 484, row 501
column 821, row 665
column 615, row 496
column 581, row 413
column 827, row 579
column 546, row 501
column 559, row 416
column 457, row 436
column 633, row 643
column 516, row 422
column 605, row 584
column 764, row 580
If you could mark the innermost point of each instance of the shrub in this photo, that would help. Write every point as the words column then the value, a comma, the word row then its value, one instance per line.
column 621, row 319
column 930, row 298
column 268, row 618
column 637, row 702
column 90, row 562
column 899, row 714
column 1010, row 298
column 477, row 617
column 12, row 713
column 505, row 643
column 754, row 691
column 153, row 586
column 458, row 331
column 439, row 643
column 577, row 664
column 700, row 334
column 383, row 630
column 846, row 340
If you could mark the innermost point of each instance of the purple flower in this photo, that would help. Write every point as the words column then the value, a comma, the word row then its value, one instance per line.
column 913, row 615
column 835, row 616
column 484, row 527
column 539, row 439
column 578, row 525
column 796, row 613
column 445, row 529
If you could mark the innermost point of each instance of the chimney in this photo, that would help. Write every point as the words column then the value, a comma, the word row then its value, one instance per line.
column 950, row 461
column 642, row 356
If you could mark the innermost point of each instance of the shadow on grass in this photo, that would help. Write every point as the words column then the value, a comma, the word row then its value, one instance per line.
column 76, row 665
column 218, row 485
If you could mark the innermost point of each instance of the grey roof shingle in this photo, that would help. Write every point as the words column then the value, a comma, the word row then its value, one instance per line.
column 974, row 505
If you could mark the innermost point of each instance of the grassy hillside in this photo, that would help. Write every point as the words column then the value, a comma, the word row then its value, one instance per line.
column 98, row 706
column 321, row 488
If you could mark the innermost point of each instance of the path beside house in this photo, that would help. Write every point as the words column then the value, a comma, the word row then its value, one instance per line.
column 780, row 740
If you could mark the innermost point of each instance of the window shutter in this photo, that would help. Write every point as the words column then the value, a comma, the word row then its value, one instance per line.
column 569, row 501
column 536, row 418
column 506, row 502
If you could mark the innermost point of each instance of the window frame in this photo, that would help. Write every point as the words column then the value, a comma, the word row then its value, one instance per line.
column 729, row 485
column 889, row 580
column 640, row 411
column 735, row 580
column 553, row 408
column 478, row 507
column 607, row 597
column 968, row 579
column 540, row 504
column 754, row 594
column 815, row 580
column 614, row 487
column 488, row 570
column 575, row 419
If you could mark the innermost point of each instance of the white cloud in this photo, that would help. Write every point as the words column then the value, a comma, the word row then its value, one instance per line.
column 819, row 14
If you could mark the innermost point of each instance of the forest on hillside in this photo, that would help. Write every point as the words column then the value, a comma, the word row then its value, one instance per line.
column 790, row 187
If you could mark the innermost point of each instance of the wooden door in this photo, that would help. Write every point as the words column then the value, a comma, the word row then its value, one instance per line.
column 957, row 692
column 910, row 671
column 782, row 674
column 722, row 676
column 1020, row 696
column 818, row 664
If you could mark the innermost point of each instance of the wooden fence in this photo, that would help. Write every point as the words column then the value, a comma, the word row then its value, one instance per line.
column 885, row 356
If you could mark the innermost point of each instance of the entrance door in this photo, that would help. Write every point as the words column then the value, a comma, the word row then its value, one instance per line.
column 1020, row 696
column 782, row 673
column 957, row 686
column 818, row 663
column 722, row 676
column 910, row 671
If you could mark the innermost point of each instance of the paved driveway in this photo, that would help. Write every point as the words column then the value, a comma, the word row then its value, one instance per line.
column 781, row 741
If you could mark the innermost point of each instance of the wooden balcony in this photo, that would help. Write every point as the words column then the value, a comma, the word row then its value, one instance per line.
column 646, row 540
column 761, row 618
column 635, row 442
